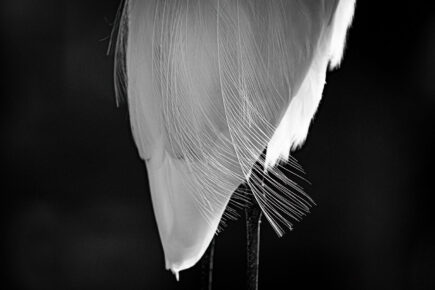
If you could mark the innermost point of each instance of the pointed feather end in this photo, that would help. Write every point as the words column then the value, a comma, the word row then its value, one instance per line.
column 177, row 275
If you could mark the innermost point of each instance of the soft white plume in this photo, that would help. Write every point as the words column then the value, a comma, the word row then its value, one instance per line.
column 210, row 85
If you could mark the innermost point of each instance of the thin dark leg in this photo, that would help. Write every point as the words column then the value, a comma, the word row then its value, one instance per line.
column 253, row 221
column 207, row 268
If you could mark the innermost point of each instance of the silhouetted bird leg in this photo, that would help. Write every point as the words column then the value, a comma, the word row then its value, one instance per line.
column 253, row 222
column 207, row 267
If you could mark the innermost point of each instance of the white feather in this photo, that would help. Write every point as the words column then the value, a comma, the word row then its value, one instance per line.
column 211, row 84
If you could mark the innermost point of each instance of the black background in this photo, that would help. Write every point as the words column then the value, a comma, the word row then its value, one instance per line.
column 75, row 204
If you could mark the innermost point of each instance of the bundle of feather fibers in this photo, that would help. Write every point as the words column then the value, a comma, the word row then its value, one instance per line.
column 210, row 85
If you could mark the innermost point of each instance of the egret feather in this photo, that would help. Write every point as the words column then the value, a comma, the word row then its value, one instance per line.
column 210, row 85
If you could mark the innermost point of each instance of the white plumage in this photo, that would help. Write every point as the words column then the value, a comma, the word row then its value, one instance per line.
column 212, row 83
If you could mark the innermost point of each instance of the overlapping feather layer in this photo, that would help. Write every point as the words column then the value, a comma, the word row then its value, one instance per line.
column 211, row 84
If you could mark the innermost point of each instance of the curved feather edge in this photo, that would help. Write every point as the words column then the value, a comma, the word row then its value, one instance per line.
column 203, row 128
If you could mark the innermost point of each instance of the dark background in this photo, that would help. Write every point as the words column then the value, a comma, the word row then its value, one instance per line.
column 75, row 205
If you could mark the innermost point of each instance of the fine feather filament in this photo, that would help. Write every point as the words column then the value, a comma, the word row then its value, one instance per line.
column 211, row 85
